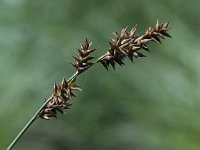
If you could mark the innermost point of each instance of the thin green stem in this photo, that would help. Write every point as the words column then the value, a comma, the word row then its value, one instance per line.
column 73, row 76
column 100, row 58
column 35, row 116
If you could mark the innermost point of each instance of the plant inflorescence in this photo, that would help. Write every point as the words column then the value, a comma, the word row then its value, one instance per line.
column 125, row 44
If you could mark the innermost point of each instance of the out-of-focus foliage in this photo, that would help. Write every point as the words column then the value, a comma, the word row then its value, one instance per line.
column 151, row 104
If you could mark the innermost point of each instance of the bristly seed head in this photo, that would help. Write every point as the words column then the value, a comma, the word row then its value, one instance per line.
column 60, row 99
column 82, row 61
column 127, row 44
column 124, row 45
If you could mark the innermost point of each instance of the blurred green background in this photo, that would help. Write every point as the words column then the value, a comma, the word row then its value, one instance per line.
column 153, row 104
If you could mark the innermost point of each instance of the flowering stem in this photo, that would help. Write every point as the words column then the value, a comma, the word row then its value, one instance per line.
column 36, row 115
column 26, row 126
column 125, row 44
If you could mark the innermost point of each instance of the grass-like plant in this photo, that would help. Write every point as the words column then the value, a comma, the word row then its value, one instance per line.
column 125, row 44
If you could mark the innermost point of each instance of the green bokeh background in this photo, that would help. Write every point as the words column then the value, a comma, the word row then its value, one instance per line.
column 153, row 104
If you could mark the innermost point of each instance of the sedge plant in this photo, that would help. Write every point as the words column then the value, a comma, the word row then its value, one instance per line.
column 125, row 44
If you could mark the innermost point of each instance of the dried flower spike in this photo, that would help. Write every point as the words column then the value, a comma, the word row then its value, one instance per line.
column 127, row 44
column 82, row 62
column 59, row 100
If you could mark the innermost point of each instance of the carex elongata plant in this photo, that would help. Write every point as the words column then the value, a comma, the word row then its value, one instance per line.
column 124, row 44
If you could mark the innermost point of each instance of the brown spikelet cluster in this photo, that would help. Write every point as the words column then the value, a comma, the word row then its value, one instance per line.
column 60, row 99
column 128, row 44
column 125, row 44
column 82, row 61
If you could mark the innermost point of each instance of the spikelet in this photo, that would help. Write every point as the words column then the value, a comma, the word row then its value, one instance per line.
column 82, row 61
column 127, row 44
column 60, row 99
